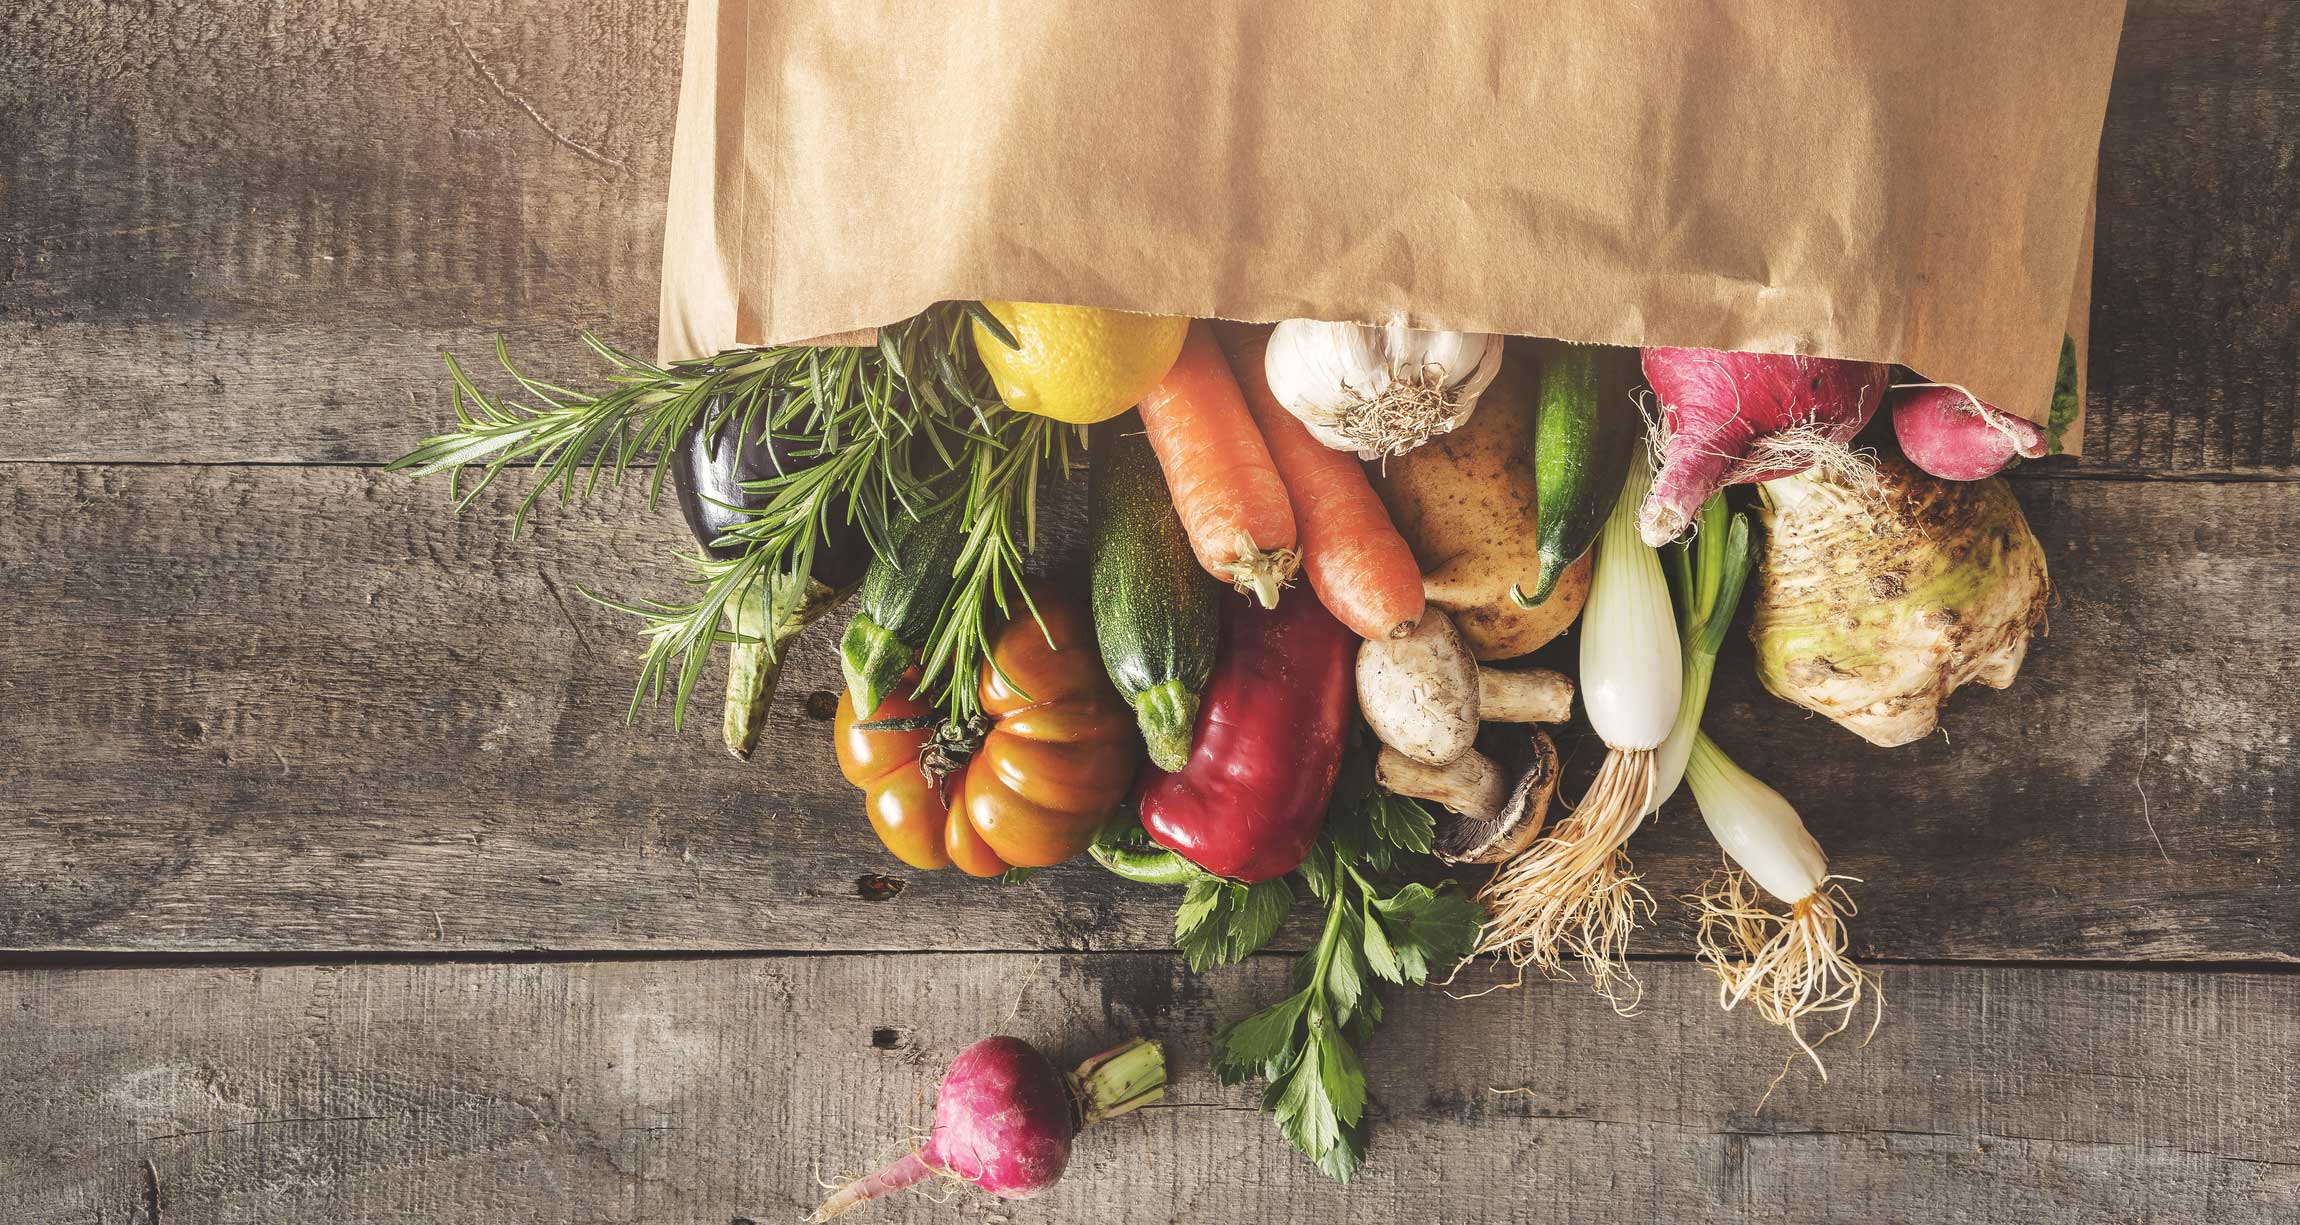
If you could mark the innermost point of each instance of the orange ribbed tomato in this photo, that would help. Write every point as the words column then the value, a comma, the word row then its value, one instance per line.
column 905, row 806
column 1058, row 756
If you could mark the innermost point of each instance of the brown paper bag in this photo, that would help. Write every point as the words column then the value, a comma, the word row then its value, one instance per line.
column 1904, row 181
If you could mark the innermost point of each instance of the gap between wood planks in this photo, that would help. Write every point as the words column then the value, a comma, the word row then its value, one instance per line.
column 82, row 960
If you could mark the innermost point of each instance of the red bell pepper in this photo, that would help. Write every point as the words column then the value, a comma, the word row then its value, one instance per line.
column 1271, row 729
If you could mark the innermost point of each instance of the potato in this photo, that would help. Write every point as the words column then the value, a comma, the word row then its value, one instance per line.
column 1464, row 501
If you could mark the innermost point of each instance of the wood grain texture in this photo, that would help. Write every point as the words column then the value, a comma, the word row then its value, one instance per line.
column 308, row 709
column 719, row 1091
column 245, row 232
column 2196, row 314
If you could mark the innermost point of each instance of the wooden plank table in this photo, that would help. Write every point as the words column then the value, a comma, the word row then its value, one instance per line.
column 334, row 886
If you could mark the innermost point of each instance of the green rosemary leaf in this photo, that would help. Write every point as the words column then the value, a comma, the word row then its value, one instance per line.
column 889, row 430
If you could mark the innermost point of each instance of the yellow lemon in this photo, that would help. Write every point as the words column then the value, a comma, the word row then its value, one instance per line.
column 1079, row 364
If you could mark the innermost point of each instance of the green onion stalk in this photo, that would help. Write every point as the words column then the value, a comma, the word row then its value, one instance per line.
column 1788, row 966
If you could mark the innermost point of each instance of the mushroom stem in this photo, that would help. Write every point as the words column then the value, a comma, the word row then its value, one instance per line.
column 1463, row 837
column 1471, row 785
column 1534, row 695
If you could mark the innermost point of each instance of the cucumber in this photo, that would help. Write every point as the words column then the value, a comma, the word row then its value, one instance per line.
column 902, row 594
column 1157, row 615
column 1582, row 443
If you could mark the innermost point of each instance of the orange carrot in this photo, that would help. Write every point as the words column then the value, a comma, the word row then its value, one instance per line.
column 1225, row 487
column 1357, row 562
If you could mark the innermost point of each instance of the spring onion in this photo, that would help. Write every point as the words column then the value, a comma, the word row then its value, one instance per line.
column 1573, row 891
column 1789, row 967
column 1707, row 569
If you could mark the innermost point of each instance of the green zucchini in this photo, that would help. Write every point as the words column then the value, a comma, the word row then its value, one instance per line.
column 902, row 595
column 1157, row 615
column 1583, row 438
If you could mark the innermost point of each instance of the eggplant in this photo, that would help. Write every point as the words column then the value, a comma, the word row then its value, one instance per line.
column 709, row 469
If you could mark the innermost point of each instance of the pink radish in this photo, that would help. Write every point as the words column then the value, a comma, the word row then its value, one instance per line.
column 1734, row 418
column 1958, row 436
column 1004, row 1118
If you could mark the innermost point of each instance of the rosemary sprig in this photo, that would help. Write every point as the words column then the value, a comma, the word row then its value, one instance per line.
column 1002, row 525
column 874, row 432
column 575, row 433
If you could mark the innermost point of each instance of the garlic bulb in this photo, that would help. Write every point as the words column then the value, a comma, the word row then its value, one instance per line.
column 1378, row 391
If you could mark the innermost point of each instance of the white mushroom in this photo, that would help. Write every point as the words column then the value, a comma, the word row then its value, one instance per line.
column 1424, row 694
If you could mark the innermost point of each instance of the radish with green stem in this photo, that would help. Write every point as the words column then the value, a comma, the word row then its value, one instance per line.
column 1005, row 1117
column 1957, row 436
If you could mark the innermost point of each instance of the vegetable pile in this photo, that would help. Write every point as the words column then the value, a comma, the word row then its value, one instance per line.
column 1292, row 670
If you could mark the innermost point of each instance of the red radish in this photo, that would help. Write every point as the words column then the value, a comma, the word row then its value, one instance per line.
column 1736, row 418
column 1004, row 1118
column 1957, row 436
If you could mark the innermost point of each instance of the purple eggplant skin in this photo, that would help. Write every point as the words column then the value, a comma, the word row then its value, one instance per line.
column 709, row 466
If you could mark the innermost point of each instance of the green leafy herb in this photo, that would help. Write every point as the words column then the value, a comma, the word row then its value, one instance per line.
column 1304, row 1046
column 887, row 430
column 1220, row 922
column 1002, row 525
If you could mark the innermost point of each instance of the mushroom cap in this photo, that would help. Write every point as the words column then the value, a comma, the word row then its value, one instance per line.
column 1470, row 839
column 1419, row 693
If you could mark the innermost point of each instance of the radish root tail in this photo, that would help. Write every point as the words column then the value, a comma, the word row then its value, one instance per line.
column 1788, row 967
column 910, row 1169
column 1572, row 893
column 1808, row 448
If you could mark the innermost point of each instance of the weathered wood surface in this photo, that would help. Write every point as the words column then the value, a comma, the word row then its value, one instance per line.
column 265, row 707
column 720, row 1091
column 307, row 709
column 236, row 232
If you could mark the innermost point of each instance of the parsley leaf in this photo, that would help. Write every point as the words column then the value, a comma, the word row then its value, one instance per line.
column 1202, row 922
column 1261, row 1044
column 1342, row 1160
column 1425, row 927
column 1381, row 955
column 1344, row 980
column 1262, row 908
column 1402, row 823
column 1304, row 1045
column 1220, row 922
column 1305, row 1110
